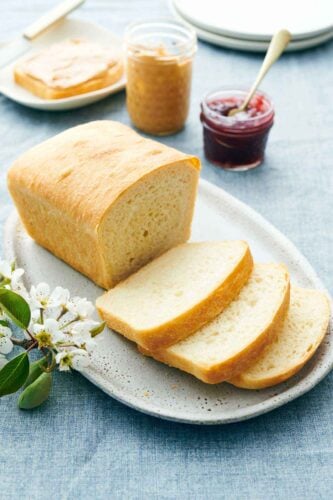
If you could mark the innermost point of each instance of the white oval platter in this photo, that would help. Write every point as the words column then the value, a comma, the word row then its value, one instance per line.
column 148, row 386
column 67, row 28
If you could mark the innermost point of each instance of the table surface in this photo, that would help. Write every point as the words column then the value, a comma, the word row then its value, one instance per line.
column 83, row 444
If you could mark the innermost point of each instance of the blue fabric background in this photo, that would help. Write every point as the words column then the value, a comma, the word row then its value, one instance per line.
column 82, row 444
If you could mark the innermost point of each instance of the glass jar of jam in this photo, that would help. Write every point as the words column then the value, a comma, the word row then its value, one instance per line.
column 159, row 72
column 236, row 142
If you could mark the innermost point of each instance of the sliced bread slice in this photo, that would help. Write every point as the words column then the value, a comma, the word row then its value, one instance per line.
column 302, row 332
column 228, row 344
column 177, row 293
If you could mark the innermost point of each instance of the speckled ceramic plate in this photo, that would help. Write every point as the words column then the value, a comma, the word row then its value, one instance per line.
column 146, row 385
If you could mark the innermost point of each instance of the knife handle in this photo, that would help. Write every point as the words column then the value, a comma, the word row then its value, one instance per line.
column 50, row 18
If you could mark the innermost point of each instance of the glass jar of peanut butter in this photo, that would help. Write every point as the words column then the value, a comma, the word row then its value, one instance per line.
column 159, row 73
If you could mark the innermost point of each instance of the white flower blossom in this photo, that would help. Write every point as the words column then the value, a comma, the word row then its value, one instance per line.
column 49, row 334
column 59, row 297
column 75, row 358
column 41, row 296
column 35, row 318
column 3, row 361
column 58, row 322
column 6, row 345
column 81, row 308
column 13, row 276
column 35, row 315
column 81, row 335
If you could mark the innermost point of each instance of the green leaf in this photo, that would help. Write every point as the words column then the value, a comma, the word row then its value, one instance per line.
column 98, row 329
column 4, row 322
column 15, row 307
column 36, row 369
column 36, row 393
column 14, row 374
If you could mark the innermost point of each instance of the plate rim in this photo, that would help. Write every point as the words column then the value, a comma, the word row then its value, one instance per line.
column 241, row 414
column 248, row 45
column 264, row 37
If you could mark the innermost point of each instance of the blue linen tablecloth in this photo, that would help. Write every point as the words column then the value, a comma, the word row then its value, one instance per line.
column 82, row 444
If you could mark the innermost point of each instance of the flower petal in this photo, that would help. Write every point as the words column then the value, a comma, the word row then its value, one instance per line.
column 42, row 291
column 16, row 276
column 37, row 328
column 5, row 331
column 59, row 337
column 5, row 269
column 51, row 325
column 6, row 345
column 59, row 297
column 80, row 307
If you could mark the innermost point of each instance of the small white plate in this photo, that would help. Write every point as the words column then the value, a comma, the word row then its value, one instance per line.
column 151, row 387
column 252, row 45
column 259, row 19
column 68, row 28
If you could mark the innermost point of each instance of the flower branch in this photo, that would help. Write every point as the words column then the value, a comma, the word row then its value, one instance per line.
column 59, row 327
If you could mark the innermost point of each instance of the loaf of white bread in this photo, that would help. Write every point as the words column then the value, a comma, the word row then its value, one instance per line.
column 107, row 202
column 104, row 199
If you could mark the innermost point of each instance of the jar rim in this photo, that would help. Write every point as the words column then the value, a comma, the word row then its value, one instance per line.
column 232, row 91
column 188, row 33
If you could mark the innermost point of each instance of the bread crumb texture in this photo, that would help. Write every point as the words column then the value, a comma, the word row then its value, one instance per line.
column 303, row 330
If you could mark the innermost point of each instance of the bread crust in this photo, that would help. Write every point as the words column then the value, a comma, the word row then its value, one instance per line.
column 40, row 89
column 246, row 382
column 92, row 163
column 228, row 369
column 189, row 322
column 64, row 187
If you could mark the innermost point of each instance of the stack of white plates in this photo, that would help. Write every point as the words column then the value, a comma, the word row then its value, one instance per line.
column 250, row 24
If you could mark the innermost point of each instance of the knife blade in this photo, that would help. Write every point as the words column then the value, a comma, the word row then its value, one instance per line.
column 12, row 50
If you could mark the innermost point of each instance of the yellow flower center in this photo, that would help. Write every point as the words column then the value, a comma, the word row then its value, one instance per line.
column 44, row 339
column 66, row 360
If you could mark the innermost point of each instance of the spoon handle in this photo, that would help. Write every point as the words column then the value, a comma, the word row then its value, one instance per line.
column 277, row 45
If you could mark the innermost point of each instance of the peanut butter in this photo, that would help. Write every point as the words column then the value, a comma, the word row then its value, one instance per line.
column 159, row 78
column 69, row 63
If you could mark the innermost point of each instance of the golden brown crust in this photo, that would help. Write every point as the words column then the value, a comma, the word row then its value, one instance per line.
column 232, row 366
column 40, row 89
column 190, row 321
column 95, row 163
column 244, row 382
column 64, row 187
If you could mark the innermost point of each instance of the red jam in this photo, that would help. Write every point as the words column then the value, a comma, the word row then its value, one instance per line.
column 236, row 142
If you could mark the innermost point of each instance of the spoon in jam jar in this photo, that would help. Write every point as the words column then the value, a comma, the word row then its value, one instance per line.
column 278, row 43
